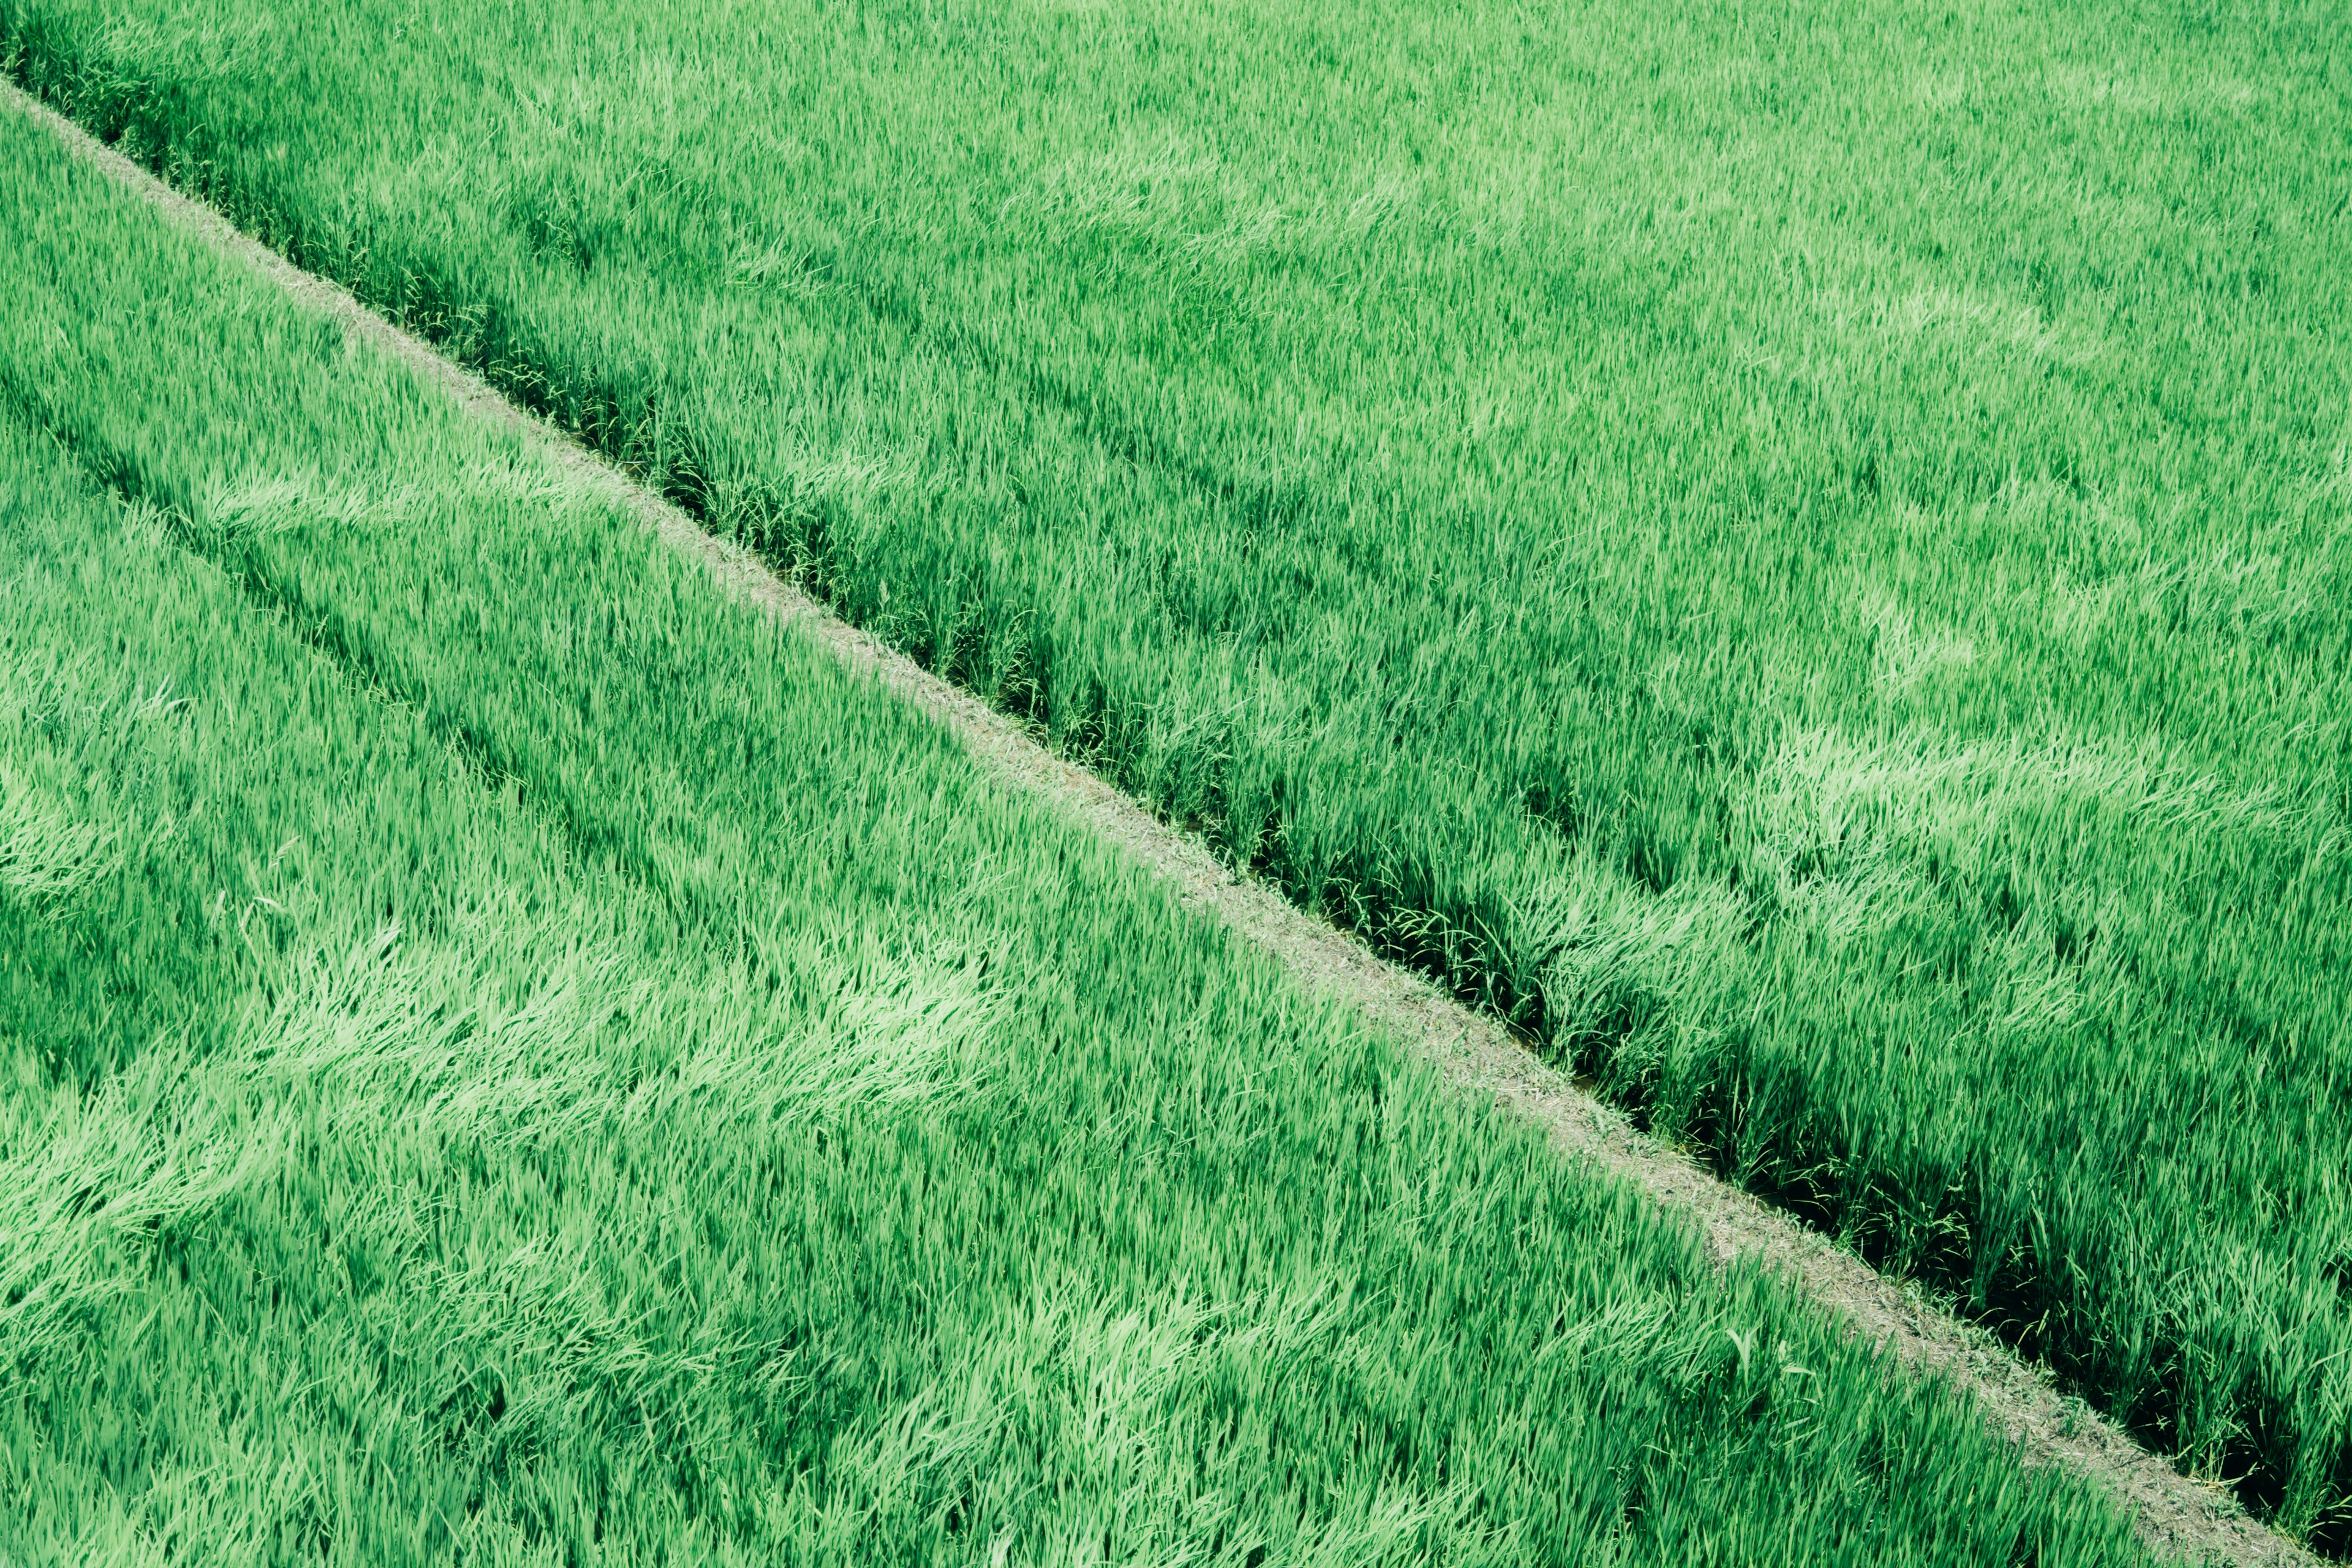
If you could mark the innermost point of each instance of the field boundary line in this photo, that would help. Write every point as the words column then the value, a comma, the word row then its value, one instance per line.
column 2174, row 1514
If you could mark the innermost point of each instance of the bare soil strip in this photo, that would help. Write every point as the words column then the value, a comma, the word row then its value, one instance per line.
column 2177, row 1515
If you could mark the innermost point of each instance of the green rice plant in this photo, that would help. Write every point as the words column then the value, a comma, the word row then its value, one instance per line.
column 1799, row 555
column 514, row 1057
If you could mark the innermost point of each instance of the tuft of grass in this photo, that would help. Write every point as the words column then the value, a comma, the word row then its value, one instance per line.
column 584, row 1079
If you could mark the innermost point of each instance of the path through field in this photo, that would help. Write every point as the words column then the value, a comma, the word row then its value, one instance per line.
column 2175, row 1513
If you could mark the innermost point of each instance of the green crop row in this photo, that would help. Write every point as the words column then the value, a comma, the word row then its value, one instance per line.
column 513, row 1058
column 1800, row 554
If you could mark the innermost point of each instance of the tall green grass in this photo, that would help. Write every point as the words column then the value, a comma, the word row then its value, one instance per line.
column 512, row 1058
column 1799, row 553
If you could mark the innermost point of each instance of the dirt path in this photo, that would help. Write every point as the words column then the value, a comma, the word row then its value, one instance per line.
column 2175, row 1515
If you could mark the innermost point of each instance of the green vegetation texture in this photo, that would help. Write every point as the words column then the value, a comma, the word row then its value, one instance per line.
column 513, row 1059
column 1799, row 553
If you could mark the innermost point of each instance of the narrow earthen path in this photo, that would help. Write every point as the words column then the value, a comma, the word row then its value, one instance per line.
column 2175, row 1515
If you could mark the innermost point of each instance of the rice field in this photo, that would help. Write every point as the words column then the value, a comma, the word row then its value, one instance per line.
column 1798, row 554
column 516, row 1058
